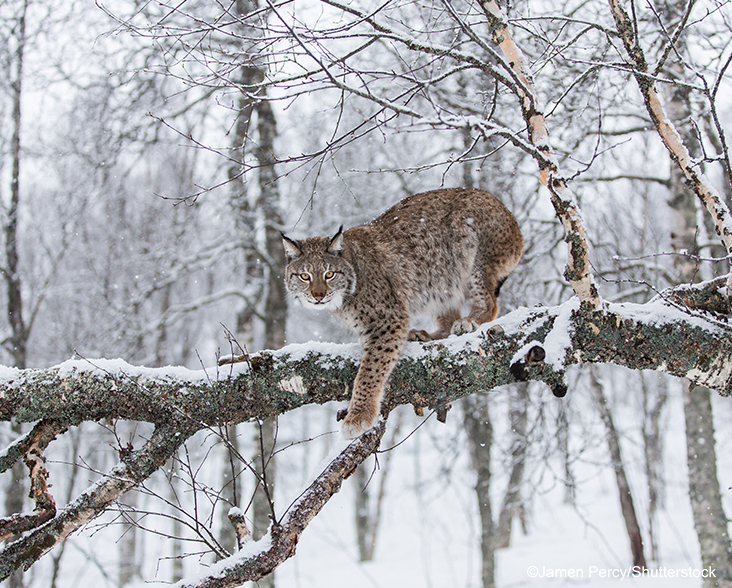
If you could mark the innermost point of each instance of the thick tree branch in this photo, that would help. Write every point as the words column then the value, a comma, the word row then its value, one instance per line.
column 680, row 332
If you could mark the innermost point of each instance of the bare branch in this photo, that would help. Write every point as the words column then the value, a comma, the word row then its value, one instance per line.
column 258, row 559
column 679, row 153
column 133, row 469
column 578, row 266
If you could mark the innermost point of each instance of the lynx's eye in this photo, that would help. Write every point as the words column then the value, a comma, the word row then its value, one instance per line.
column 305, row 277
column 329, row 275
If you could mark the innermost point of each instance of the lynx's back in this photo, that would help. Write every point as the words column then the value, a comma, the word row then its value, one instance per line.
column 430, row 254
column 435, row 240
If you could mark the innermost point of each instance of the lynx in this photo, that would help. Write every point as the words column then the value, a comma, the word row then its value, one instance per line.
column 429, row 254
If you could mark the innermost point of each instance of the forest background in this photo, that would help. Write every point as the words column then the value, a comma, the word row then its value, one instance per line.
column 150, row 155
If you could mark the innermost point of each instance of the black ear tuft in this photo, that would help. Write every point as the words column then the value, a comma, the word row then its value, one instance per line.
column 292, row 248
column 336, row 243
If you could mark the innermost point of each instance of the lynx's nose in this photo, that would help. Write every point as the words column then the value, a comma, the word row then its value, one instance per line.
column 318, row 296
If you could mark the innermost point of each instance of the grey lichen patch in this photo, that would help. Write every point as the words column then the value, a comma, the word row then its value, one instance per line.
column 666, row 343
column 710, row 297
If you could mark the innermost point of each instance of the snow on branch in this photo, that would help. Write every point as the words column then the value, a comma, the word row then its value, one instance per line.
column 684, row 332
column 429, row 375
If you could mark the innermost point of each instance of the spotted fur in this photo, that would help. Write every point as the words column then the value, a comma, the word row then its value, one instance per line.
column 429, row 254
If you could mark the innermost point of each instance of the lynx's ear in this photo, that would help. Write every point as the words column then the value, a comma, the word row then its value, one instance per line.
column 292, row 249
column 336, row 243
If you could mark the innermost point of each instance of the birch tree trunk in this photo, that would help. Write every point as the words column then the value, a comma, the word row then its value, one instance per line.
column 17, row 342
column 275, row 306
column 570, row 485
column 363, row 514
column 478, row 428
column 710, row 520
column 654, row 400
column 368, row 511
column 266, row 260
column 15, row 498
column 231, row 485
column 176, row 543
column 512, row 506
column 248, row 77
column 129, row 568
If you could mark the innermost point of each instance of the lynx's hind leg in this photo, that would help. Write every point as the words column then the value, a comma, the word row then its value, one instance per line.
column 483, row 291
column 444, row 323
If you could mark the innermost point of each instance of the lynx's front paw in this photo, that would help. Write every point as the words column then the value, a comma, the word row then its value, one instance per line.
column 418, row 335
column 357, row 421
column 463, row 326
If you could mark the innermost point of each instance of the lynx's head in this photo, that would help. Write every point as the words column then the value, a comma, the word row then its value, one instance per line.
column 316, row 274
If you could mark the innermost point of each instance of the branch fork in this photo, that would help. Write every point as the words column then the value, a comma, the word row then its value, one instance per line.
column 32, row 446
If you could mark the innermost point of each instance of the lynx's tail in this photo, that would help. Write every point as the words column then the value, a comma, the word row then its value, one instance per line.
column 499, row 284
